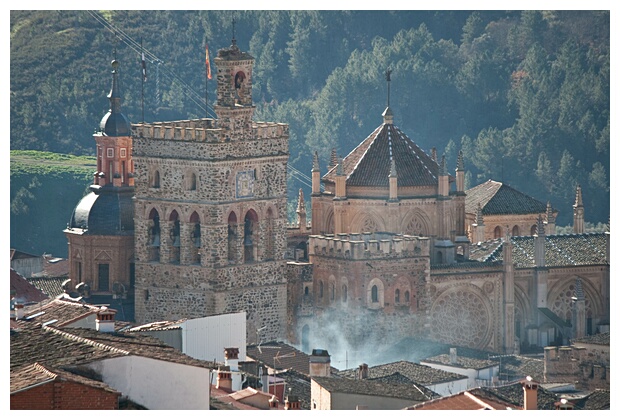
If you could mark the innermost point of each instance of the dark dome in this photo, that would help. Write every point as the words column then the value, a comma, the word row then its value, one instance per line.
column 105, row 211
column 115, row 124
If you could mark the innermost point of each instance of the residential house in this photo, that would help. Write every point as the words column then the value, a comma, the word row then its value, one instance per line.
column 479, row 372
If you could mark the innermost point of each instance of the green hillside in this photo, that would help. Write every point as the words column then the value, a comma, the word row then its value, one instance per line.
column 524, row 94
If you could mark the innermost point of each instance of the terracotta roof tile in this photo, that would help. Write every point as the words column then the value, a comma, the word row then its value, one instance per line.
column 286, row 357
column 414, row 392
column 369, row 163
column 465, row 401
column 416, row 373
column 498, row 198
column 24, row 291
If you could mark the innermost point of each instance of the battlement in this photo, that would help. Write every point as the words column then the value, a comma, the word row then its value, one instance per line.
column 358, row 246
column 204, row 130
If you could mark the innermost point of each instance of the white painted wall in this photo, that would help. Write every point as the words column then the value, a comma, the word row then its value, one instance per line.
column 206, row 338
column 474, row 376
column 157, row 384
column 449, row 388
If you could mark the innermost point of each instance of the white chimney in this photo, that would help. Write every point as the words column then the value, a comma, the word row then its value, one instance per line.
column 320, row 363
column 105, row 320
column 231, row 359
column 453, row 356
column 19, row 311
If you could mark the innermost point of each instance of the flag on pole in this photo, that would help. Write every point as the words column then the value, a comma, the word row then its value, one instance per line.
column 208, row 65
column 143, row 68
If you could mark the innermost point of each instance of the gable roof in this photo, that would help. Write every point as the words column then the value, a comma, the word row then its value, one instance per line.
column 498, row 198
column 56, row 347
column 465, row 400
column 24, row 291
column 461, row 362
column 282, row 355
column 409, row 391
column 64, row 312
column 513, row 394
column 370, row 162
column 416, row 373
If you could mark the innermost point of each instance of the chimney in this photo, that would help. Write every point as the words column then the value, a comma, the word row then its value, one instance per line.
column 19, row 311
column 273, row 402
column 231, row 358
column 362, row 372
column 224, row 380
column 292, row 403
column 105, row 320
column 530, row 394
column 453, row 356
column 320, row 363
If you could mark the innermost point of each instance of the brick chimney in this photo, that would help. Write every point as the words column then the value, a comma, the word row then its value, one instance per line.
column 224, row 380
column 362, row 371
column 273, row 402
column 292, row 403
column 105, row 320
column 320, row 363
column 231, row 359
column 530, row 394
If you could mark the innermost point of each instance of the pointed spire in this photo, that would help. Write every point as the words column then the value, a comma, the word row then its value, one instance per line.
column 315, row 162
column 393, row 168
column 442, row 166
column 114, row 95
column 540, row 227
column 459, row 162
column 339, row 169
column 333, row 160
column 388, row 79
column 578, row 198
column 115, row 123
column 434, row 154
column 550, row 217
column 301, row 204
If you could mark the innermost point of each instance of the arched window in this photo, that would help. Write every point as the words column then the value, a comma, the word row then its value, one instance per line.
column 232, row 237
column 270, row 236
column 344, row 292
column 195, row 220
column 175, row 237
column 374, row 294
column 155, row 180
column 515, row 230
column 249, row 236
column 154, row 235
column 497, row 233
column 397, row 296
column 533, row 230
column 306, row 291
column 191, row 182
column 407, row 296
column 333, row 287
column 320, row 289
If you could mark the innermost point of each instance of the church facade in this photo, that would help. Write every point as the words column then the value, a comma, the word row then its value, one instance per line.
column 393, row 249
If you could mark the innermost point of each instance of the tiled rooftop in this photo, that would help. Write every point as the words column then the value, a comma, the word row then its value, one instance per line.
column 416, row 373
column 376, row 388
column 513, row 394
column 51, row 286
column 282, row 355
column 63, row 311
column 560, row 250
column 369, row 163
column 24, row 291
column 55, row 347
column 465, row 401
column 498, row 198
column 461, row 362
column 599, row 399
column 601, row 339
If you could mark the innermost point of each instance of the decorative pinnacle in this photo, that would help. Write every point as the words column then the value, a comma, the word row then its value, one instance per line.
column 393, row 168
column 550, row 217
column 459, row 162
column 442, row 167
column 333, row 160
column 434, row 154
column 388, row 79
column 339, row 167
column 540, row 227
column 479, row 220
column 578, row 199
column 315, row 162
column 301, row 204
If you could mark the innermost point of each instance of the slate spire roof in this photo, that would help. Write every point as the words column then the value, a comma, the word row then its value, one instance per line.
column 370, row 163
column 498, row 198
column 115, row 123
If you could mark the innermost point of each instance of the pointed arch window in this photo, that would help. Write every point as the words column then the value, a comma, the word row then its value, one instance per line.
column 155, row 179
column 194, row 221
column 232, row 237
column 175, row 237
column 154, row 235
column 397, row 296
column 515, row 230
column 497, row 233
column 250, row 224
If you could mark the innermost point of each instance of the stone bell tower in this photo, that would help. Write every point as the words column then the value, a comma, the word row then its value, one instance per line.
column 211, row 211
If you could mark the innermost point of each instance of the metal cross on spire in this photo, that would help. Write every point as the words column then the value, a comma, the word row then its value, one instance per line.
column 388, row 72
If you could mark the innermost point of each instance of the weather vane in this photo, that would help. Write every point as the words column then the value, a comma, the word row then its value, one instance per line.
column 388, row 72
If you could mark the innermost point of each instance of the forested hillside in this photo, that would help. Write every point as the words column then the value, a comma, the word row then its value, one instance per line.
column 524, row 94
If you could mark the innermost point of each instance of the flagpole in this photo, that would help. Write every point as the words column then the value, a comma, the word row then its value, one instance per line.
column 143, row 73
column 207, row 81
